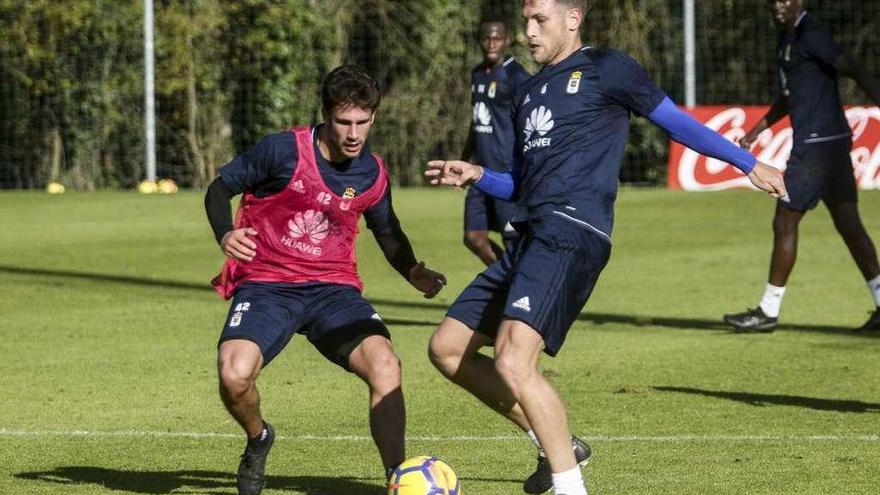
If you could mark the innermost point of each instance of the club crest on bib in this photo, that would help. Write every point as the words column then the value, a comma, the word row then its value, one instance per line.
column 347, row 196
column 492, row 87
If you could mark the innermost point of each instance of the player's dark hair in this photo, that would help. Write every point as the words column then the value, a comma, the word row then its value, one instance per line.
column 494, row 18
column 348, row 86
column 584, row 5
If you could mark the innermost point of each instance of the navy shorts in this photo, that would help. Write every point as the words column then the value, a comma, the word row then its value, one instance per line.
column 335, row 318
column 820, row 171
column 544, row 279
column 483, row 212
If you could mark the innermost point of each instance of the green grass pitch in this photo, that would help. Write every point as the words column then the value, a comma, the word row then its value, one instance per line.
column 107, row 357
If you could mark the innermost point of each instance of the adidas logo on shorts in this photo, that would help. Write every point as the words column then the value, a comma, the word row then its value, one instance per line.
column 523, row 304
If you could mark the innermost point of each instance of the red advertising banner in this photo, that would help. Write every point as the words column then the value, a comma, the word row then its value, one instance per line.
column 691, row 171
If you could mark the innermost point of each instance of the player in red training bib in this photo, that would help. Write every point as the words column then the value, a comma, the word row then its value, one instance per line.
column 292, row 268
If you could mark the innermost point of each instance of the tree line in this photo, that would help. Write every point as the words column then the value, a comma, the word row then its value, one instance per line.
column 227, row 73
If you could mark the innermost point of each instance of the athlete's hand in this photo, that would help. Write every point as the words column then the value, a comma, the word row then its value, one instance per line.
column 238, row 245
column 453, row 173
column 426, row 280
column 770, row 179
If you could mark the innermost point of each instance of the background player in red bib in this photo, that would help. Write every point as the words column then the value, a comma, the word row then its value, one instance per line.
column 291, row 264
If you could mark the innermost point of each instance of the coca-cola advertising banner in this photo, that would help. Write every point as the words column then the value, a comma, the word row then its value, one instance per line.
column 691, row 171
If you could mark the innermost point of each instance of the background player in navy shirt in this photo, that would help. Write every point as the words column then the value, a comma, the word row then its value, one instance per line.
column 494, row 83
column 572, row 122
column 820, row 166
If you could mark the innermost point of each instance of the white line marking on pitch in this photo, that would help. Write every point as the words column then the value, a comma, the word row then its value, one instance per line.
column 459, row 438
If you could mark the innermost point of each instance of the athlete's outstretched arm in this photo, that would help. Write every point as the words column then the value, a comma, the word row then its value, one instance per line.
column 685, row 129
column 778, row 110
column 848, row 67
column 459, row 173
column 383, row 222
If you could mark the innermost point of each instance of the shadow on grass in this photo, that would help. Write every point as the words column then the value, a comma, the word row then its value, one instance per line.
column 206, row 287
column 104, row 277
column 703, row 324
column 424, row 304
column 161, row 482
column 592, row 317
column 763, row 400
column 410, row 323
column 211, row 482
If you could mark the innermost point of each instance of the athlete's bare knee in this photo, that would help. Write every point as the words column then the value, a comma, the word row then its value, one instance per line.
column 449, row 347
column 514, row 372
column 786, row 222
column 238, row 369
column 784, row 227
column 443, row 354
column 384, row 375
column 235, row 382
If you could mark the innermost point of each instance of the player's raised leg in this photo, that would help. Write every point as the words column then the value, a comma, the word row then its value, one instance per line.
column 453, row 350
column 375, row 362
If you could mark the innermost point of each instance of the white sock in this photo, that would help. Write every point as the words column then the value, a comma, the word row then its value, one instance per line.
column 569, row 482
column 874, row 287
column 534, row 439
column 772, row 300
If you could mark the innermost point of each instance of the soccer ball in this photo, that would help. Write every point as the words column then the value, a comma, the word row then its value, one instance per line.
column 424, row 475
